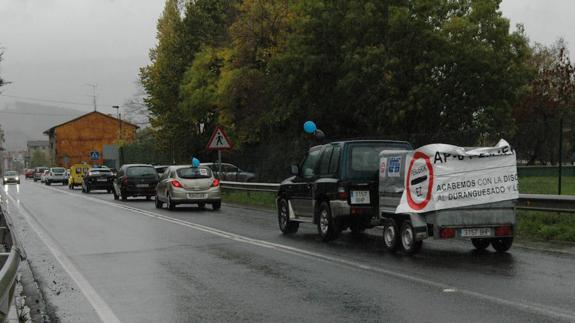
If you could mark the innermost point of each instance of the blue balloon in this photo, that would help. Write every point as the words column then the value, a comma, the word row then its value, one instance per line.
column 309, row 127
column 195, row 162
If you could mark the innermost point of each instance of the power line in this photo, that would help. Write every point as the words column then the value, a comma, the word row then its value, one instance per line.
column 46, row 100
column 41, row 114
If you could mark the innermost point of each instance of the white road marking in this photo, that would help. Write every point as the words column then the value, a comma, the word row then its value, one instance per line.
column 102, row 309
column 546, row 310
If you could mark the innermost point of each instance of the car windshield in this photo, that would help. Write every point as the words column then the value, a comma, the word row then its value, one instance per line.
column 364, row 158
column 194, row 172
column 58, row 170
column 141, row 171
column 11, row 173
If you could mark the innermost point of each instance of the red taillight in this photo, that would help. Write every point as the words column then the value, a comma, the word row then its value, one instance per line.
column 447, row 233
column 504, row 230
column 341, row 193
column 125, row 180
column 175, row 183
column 216, row 183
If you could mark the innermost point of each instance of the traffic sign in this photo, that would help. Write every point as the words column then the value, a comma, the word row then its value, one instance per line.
column 419, row 182
column 219, row 140
column 94, row 155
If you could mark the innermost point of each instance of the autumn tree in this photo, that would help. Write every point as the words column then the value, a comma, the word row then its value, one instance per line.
column 550, row 97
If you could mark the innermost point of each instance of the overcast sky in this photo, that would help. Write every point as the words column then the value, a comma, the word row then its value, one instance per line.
column 53, row 48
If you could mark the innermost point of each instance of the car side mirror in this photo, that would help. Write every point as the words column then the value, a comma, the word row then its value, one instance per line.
column 294, row 170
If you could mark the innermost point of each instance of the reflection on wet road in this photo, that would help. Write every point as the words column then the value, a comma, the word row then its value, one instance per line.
column 151, row 265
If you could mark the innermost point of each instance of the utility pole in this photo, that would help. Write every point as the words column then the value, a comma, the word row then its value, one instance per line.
column 120, row 144
column 93, row 86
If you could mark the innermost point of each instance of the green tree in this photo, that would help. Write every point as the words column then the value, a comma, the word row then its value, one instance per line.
column 246, row 88
column 161, row 79
column 38, row 159
column 386, row 68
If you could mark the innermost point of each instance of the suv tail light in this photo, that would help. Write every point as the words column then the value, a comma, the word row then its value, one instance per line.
column 216, row 183
column 341, row 193
column 175, row 183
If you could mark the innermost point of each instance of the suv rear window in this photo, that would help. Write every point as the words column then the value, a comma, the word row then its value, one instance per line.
column 364, row 158
column 141, row 171
column 58, row 170
column 194, row 172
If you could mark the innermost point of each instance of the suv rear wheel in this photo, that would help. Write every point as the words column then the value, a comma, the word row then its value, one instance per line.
column 286, row 226
column 327, row 226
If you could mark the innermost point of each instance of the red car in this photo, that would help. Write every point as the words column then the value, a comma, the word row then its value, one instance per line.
column 29, row 173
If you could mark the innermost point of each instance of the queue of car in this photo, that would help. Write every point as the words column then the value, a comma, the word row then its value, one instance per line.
column 197, row 184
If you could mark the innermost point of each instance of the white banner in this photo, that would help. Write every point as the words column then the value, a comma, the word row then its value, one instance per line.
column 442, row 176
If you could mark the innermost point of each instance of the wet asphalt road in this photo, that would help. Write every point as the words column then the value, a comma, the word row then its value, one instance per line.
column 131, row 262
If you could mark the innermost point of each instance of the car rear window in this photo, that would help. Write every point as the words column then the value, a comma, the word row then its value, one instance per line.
column 58, row 170
column 364, row 158
column 141, row 171
column 99, row 172
column 194, row 172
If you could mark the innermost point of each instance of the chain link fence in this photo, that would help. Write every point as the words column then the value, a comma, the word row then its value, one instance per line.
column 539, row 145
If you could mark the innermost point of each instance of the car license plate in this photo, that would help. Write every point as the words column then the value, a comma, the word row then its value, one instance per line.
column 197, row 196
column 102, row 180
column 359, row 197
column 141, row 185
column 476, row 232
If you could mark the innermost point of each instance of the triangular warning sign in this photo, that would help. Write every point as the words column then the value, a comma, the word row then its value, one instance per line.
column 219, row 140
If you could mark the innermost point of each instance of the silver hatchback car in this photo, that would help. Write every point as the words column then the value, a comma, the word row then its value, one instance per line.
column 188, row 185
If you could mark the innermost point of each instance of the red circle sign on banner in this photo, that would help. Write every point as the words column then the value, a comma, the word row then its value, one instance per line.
column 419, row 184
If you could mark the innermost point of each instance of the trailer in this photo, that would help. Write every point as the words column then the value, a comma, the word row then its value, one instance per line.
column 448, row 192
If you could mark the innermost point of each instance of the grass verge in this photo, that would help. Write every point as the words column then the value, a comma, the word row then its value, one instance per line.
column 546, row 185
column 545, row 226
column 259, row 199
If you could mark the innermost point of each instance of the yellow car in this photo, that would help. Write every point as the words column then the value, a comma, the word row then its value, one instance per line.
column 77, row 172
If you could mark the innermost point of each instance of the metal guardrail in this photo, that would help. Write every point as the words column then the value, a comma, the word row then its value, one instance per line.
column 531, row 202
column 10, row 256
column 253, row 187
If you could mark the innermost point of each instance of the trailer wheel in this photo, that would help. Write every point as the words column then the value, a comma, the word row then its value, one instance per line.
column 501, row 244
column 286, row 226
column 480, row 244
column 391, row 236
column 407, row 237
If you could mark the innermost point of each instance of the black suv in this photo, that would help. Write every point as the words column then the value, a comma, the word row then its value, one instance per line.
column 135, row 180
column 335, row 187
column 98, row 179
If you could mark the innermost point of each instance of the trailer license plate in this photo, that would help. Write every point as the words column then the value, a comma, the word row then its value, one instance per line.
column 476, row 232
column 196, row 196
column 359, row 197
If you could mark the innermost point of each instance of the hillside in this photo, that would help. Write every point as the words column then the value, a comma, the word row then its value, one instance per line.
column 23, row 121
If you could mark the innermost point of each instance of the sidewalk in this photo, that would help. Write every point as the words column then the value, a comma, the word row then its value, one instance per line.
column 13, row 315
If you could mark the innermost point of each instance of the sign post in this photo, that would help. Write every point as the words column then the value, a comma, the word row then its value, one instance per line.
column 219, row 141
